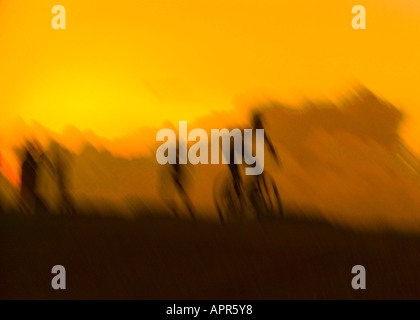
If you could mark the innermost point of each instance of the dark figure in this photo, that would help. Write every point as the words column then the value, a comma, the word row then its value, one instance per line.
column 257, row 183
column 66, row 205
column 34, row 158
column 28, row 183
column 178, row 176
column 257, row 123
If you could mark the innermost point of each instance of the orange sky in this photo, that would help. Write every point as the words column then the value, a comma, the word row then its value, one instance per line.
column 124, row 64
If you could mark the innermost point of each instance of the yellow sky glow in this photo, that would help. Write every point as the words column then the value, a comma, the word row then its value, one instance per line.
column 121, row 65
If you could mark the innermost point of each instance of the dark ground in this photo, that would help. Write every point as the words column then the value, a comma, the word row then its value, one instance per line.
column 163, row 258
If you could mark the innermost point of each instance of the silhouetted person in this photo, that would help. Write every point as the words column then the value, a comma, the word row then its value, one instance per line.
column 248, row 189
column 31, row 201
column 66, row 205
column 254, row 184
column 28, row 183
column 257, row 123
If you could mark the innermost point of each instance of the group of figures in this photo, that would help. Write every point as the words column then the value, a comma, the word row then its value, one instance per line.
column 35, row 159
column 236, row 197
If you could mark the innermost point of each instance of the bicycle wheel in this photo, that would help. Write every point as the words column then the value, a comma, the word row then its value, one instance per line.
column 227, row 201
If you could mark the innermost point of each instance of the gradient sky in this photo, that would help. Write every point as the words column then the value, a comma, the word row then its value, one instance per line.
column 124, row 64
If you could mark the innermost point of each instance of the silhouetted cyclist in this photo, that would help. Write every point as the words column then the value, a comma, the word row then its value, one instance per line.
column 257, row 123
column 61, row 170
column 256, row 183
column 252, row 181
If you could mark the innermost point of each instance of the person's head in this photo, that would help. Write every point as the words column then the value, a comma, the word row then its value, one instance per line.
column 257, row 118
column 28, row 155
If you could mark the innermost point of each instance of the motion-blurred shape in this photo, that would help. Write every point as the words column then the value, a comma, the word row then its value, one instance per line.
column 176, row 177
column 34, row 160
column 236, row 197
column 62, row 158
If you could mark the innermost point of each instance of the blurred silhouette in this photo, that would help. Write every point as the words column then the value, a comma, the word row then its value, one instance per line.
column 33, row 158
column 261, row 189
column 174, row 178
column 179, row 176
column 234, row 196
column 346, row 159
column 257, row 123
column 61, row 170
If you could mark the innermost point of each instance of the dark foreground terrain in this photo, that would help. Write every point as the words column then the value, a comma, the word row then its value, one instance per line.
column 162, row 258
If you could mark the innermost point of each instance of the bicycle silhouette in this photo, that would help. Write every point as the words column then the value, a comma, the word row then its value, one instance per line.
column 258, row 198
